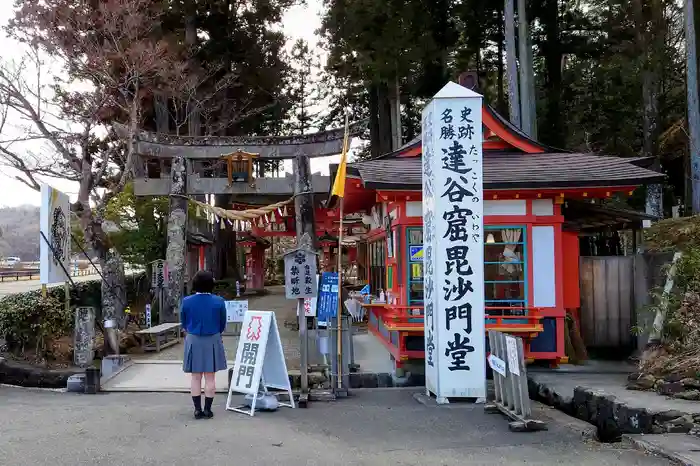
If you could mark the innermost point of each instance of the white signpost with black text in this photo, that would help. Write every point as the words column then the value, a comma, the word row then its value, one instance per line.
column 259, row 363
column 455, row 359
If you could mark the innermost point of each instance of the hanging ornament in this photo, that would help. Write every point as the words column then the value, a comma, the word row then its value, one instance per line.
column 198, row 212
column 284, row 212
column 260, row 222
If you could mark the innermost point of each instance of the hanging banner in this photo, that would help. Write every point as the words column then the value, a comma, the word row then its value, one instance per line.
column 55, row 239
column 455, row 359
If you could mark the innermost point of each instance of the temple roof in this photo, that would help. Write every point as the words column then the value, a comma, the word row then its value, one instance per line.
column 514, row 171
column 590, row 217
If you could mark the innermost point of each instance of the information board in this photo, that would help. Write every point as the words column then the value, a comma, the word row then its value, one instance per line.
column 327, row 307
column 235, row 311
column 513, row 356
column 299, row 274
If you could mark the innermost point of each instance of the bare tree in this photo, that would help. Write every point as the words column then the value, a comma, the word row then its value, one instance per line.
column 108, row 48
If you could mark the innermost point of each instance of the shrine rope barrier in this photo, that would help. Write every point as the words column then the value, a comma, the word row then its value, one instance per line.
column 511, row 397
column 258, row 215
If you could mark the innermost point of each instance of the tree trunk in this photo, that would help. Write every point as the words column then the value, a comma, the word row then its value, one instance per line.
column 194, row 124
column 650, row 33
column 512, row 64
column 395, row 102
column 552, row 56
column 374, row 144
column 527, row 85
column 384, row 118
column 502, row 106
column 112, row 268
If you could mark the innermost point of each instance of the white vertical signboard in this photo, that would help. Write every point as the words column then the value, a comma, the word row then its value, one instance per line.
column 260, row 362
column 453, row 202
column 54, row 223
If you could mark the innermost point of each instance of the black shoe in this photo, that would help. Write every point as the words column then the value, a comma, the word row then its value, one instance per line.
column 208, row 414
column 198, row 414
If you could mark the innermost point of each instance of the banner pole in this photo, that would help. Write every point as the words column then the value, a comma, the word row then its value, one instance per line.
column 340, row 296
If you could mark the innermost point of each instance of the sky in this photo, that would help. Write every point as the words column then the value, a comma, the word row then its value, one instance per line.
column 300, row 22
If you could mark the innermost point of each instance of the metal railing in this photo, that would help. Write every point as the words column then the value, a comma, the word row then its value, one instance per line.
column 32, row 274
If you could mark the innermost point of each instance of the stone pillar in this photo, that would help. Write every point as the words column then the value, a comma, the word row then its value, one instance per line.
column 177, row 240
column 84, row 336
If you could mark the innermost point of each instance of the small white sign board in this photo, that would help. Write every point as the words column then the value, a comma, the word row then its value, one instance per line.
column 235, row 311
column 513, row 357
column 497, row 364
column 310, row 303
column 259, row 361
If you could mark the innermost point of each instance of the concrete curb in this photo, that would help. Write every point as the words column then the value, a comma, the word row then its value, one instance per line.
column 358, row 380
column 638, row 443
column 540, row 411
column 25, row 375
column 611, row 417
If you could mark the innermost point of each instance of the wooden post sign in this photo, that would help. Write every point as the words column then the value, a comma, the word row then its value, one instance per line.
column 159, row 279
column 259, row 363
column 300, row 273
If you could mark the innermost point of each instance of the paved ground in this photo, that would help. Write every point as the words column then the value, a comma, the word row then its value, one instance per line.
column 285, row 310
column 12, row 287
column 381, row 427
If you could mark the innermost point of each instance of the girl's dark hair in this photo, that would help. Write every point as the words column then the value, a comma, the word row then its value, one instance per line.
column 203, row 282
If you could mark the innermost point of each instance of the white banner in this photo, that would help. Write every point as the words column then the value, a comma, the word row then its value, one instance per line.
column 54, row 224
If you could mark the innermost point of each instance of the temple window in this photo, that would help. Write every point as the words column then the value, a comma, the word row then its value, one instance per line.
column 505, row 266
column 414, row 239
column 377, row 266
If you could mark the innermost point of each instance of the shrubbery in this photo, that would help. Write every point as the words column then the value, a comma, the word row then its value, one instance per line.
column 29, row 321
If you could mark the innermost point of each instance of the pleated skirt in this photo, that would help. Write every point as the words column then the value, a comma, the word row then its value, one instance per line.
column 204, row 353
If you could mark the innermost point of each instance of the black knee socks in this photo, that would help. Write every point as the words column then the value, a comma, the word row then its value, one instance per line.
column 197, row 401
column 207, row 403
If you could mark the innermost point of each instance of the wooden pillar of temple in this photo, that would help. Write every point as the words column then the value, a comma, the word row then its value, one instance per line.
column 177, row 240
column 249, row 248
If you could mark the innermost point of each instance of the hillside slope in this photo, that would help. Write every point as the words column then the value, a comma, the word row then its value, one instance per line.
column 19, row 232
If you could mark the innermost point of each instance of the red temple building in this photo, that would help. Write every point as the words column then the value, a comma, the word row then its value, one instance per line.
column 537, row 201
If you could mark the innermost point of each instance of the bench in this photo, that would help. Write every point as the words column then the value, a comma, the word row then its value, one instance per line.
column 163, row 336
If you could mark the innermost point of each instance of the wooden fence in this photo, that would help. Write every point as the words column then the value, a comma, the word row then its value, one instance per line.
column 614, row 292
